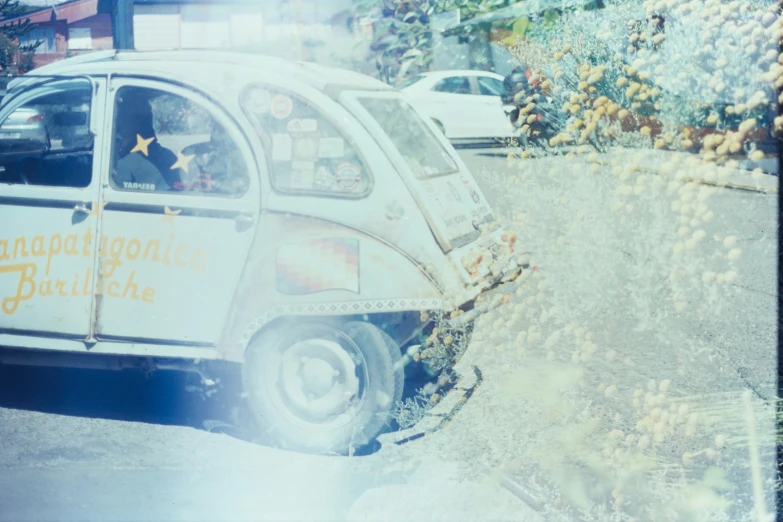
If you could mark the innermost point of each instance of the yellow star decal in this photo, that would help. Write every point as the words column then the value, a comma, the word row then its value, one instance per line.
column 182, row 161
column 142, row 145
column 169, row 214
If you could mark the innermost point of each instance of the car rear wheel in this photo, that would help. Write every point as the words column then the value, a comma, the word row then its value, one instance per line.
column 320, row 387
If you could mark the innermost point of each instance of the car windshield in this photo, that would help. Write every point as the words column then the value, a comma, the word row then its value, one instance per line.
column 418, row 145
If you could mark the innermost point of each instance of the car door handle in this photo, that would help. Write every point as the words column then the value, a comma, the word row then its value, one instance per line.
column 81, row 208
column 244, row 222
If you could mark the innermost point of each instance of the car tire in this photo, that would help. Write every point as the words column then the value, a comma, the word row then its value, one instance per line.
column 323, row 387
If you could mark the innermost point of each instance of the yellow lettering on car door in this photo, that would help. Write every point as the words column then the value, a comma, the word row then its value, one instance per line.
column 114, row 252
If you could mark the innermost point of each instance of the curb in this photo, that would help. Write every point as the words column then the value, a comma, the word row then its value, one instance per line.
column 737, row 185
column 732, row 185
column 719, row 184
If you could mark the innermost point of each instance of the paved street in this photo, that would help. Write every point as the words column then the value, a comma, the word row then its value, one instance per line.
column 92, row 445
column 745, row 326
column 609, row 255
column 88, row 445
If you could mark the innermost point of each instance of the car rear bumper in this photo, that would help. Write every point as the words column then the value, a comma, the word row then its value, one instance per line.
column 492, row 294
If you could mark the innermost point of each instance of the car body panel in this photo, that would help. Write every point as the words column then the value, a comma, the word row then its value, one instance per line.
column 318, row 268
column 202, row 248
column 47, row 259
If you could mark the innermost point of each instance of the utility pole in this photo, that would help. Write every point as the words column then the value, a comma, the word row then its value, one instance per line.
column 298, row 33
column 122, row 23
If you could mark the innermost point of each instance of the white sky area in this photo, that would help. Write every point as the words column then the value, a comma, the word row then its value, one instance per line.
column 324, row 5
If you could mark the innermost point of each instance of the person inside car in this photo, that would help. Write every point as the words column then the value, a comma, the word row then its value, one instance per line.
column 218, row 165
column 143, row 163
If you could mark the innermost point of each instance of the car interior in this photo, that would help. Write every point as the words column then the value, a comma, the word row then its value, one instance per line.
column 63, row 155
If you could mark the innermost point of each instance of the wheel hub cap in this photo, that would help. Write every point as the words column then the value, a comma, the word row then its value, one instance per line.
column 318, row 379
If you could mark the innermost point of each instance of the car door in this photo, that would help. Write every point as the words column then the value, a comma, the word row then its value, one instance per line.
column 453, row 103
column 49, row 186
column 180, row 202
column 495, row 122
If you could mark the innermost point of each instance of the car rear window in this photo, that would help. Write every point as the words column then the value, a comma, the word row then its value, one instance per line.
column 413, row 139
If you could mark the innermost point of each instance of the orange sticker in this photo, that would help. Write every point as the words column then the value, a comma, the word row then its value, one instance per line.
column 282, row 106
column 348, row 176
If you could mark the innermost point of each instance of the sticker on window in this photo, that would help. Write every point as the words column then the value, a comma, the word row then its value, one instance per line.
column 295, row 131
column 302, row 125
column 302, row 173
column 260, row 101
column 305, row 149
column 282, row 106
column 348, row 176
column 331, row 148
column 281, row 147
column 324, row 178
column 132, row 185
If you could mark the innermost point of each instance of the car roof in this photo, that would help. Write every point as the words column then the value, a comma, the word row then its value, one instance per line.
column 192, row 63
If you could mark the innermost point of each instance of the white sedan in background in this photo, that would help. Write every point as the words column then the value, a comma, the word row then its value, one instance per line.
column 465, row 105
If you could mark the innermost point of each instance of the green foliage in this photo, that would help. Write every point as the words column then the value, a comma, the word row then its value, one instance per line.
column 10, row 9
column 11, row 53
column 7, row 50
column 550, row 17
column 403, row 37
column 521, row 27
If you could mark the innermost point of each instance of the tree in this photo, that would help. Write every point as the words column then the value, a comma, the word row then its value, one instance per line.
column 12, row 54
column 403, row 35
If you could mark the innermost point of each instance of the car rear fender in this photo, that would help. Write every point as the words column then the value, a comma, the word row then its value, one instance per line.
column 302, row 266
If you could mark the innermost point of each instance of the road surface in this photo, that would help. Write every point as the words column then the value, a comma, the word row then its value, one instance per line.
column 91, row 445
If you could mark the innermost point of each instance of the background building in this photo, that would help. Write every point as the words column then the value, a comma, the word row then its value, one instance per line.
column 315, row 30
column 67, row 28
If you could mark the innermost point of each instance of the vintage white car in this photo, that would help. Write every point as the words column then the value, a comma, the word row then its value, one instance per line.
column 286, row 216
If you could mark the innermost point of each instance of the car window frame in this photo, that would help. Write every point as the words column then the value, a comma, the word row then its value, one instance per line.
column 23, row 94
column 376, row 130
column 208, row 104
column 345, row 134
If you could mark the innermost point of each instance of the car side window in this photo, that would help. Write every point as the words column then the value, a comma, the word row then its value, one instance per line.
column 163, row 142
column 490, row 86
column 454, row 85
column 309, row 153
column 47, row 141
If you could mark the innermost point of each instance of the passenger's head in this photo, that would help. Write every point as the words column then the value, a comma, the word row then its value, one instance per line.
column 133, row 116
